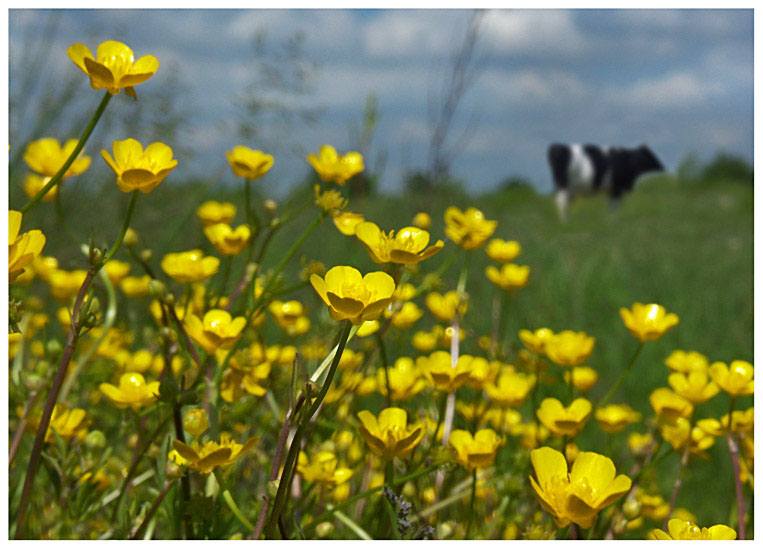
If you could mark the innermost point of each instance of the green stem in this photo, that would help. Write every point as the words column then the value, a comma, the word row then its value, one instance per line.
column 270, row 282
column 627, row 369
column 291, row 458
column 385, row 364
column 471, row 503
column 230, row 502
column 122, row 232
column 72, row 157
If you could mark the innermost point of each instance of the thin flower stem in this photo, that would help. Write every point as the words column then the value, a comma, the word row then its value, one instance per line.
column 677, row 484
column 152, row 510
column 385, row 364
column 110, row 317
column 47, row 413
column 56, row 179
column 21, row 428
column 271, row 280
column 734, row 451
column 257, row 530
column 122, row 232
column 471, row 504
column 185, row 480
column 624, row 373
column 291, row 457
column 134, row 466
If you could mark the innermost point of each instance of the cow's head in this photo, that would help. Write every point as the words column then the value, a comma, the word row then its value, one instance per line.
column 644, row 160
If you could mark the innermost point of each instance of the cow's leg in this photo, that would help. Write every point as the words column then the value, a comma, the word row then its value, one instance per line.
column 562, row 204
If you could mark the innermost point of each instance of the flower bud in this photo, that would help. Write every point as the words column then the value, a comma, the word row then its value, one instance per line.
column 270, row 205
column 195, row 422
column 156, row 289
column 146, row 255
column 54, row 348
column 95, row 440
column 131, row 238
column 324, row 529
column 422, row 221
column 632, row 509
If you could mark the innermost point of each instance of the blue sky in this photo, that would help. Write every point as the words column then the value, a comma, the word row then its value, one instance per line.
column 678, row 80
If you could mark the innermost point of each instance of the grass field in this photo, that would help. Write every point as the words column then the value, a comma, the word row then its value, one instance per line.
column 684, row 244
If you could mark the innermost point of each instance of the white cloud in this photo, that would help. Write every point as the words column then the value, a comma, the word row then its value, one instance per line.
column 413, row 33
column 676, row 90
column 533, row 32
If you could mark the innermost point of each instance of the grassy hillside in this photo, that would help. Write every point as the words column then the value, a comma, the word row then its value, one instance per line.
column 686, row 245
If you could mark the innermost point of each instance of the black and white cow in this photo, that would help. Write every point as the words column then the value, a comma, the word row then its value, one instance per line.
column 586, row 169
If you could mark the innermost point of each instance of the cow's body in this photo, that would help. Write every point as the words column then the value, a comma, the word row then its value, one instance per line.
column 585, row 169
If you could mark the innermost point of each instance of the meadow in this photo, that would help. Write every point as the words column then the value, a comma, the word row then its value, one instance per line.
column 120, row 467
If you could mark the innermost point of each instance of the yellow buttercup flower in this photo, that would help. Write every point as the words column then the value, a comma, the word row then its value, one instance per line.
column 247, row 370
column 535, row 341
column 213, row 212
column 346, row 222
column 530, row 434
column 116, row 271
column 639, row 443
column 135, row 286
column 577, row 496
column 330, row 201
column 34, row 183
column 561, row 420
column 424, row 341
column 406, row 316
column 741, row 421
column 133, row 391
column 684, row 362
column 694, row 386
column 407, row 247
column 64, row 285
column 190, row 266
column 422, row 221
column 680, row 433
column 195, row 422
column 679, row 529
column 483, row 372
column 583, row 377
column 389, row 435
column 248, row 163
column 442, row 374
column 22, row 248
column 445, row 306
column 469, row 229
column 649, row 321
column 323, row 468
column 290, row 316
column 226, row 240
column 217, row 330
column 349, row 295
column 139, row 170
column 510, row 277
column 65, row 422
column 503, row 251
column 211, row 454
column 350, row 360
column 331, row 166
column 616, row 417
column 46, row 156
column 511, row 389
column 669, row 405
column 405, row 379
column 114, row 67
column 569, row 348
column 44, row 265
column 476, row 451
column 735, row 379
